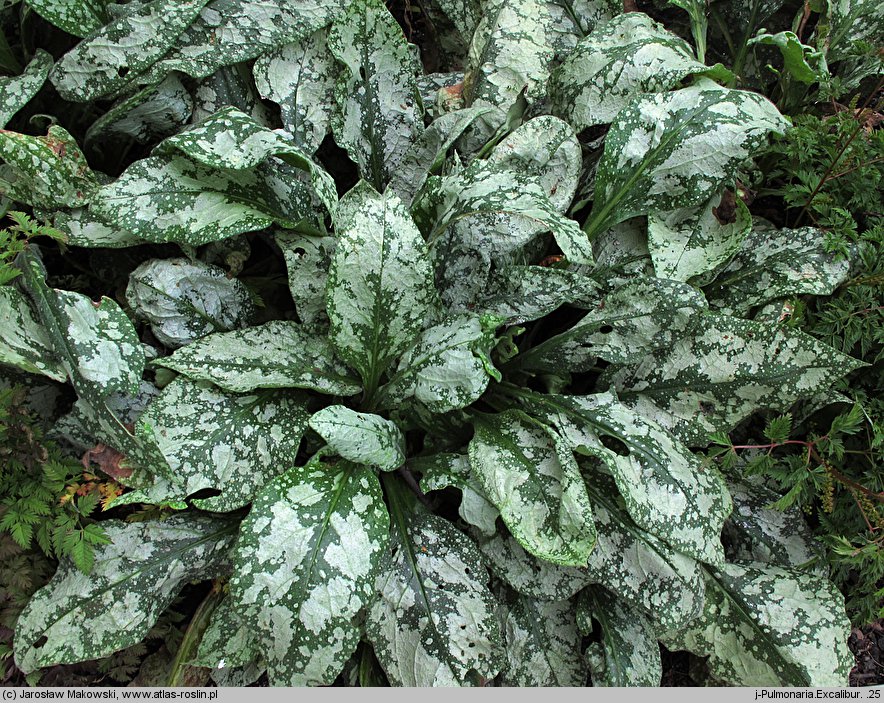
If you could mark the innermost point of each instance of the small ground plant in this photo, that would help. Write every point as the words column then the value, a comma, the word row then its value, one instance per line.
column 418, row 367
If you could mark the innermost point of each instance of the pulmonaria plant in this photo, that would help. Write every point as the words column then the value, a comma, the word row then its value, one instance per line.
column 469, row 445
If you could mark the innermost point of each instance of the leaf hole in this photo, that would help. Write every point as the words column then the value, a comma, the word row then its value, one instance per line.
column 362, row 73
column 204, row 493
column 615, row 445
column 606, row 329
column 123, row 71
column 40, row 642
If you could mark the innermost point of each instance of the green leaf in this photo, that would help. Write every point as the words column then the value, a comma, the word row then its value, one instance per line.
column 305, row 566
column 300, row 78
column 776, row 264
column 628, row 653
column 360, row 437
column 768, row 626
column 229, row 640
column 133, row 580
column 77, row 17
column 542, row 645
column 618, row 61
column 621, row 327
column 48, row 171
column 433, row 620
column 213, row 439
column 173, row 199
column 185, row 300
column 723, row 372
column 232, row 140
column 276, row 354
column 307, row 261
column 380, row 287
column 376, row 93
column 84, row 229
column 23, row 341
column 675, row 150
column 692, row 241
column 647, row 463
column 447, row 368
column 444, row 470
column 112, row 56
column 17, row 91
column 529, row 473
column 797, row 57
column 233, row 86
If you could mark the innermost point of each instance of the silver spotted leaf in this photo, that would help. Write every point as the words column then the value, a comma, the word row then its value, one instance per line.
column 23, row 341
column 627, row 653
column 17, row 91
column 853, row 21
column 232, row 140
column 725, row 370
column 305, row 567
column 230, row 443
column 300, row 78
column 692, row 241
column 307, row 260
column 229, row 86
column 542, row 644
column 635, row 318
column 490, row 197
column 228, row 642
column 134, row 578
column 174, row 199
column 665, row 488
column 277, row 354
column 529, row 473
column 447, row 368
column 619, row 60
column 186, row 300
column 229, row 32
column 376, row 93
column 522, row 293
column 432, row 622
column 84, row 229
column 362, row 438
column 152, row 113
column 440, row 471
column 776, row 264
column 77, row 17
column 529, row 576
column 768, row 626
column 48, row 172
column 112, row 57
column 677, row 149
column 759, row 532
column 380, row 287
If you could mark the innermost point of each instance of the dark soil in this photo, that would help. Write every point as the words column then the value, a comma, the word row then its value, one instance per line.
column 867, row 645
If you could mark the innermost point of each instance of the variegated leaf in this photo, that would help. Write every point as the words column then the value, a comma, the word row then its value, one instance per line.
column 113, row 56
column 229, row 86
column 232, row 31
column 529, row 473
column 229, row 641
column 628, row 653
column 277, row 354
column 723, row 372
column 380, row 288
column 135, row 577
column 432, row 622
column 376, row 93
column 17, row 91
column 542, row 644
column 637, row 317
column 23, row 341
column 677, row 149
column 665, row 488
column 362, row 438
column 775, row 264
column 307, row 260
column 48, row 172
column 618, row 61
column 212, row 439
column 692, row 241
column 84, row 229
column 300, row 78
column 232, row 140
column 154, row 112
column 305, row 566
column 185, row 300
column 625, row 246
column 852, row 21
column 768, row 626
column 77, row 17
column 174, row 199
column 448, row 366
column 440, row 471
